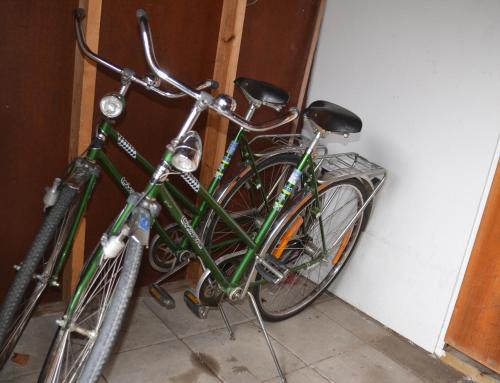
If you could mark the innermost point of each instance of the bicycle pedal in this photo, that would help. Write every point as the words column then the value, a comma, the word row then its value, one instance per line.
column 162, row 296
column 194, row 304
column 271, row 270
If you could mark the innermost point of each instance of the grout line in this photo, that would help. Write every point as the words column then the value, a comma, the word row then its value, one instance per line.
column 189, row 348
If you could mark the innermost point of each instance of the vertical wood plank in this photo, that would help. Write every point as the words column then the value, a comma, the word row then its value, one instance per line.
column 84, row 81
column 474, row 326
column 226, row 65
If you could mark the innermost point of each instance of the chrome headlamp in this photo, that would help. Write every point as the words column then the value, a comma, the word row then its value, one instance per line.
column 187, row 154
column 112, row 105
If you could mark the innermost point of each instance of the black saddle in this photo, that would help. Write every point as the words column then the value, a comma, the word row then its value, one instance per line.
column 263, row 92
column 333, row 118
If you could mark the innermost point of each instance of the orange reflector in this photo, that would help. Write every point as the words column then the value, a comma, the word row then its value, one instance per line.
column 342, row 247
column 278, row 251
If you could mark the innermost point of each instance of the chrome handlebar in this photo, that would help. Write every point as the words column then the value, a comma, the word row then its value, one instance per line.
column 79, row 15
column 207, row 100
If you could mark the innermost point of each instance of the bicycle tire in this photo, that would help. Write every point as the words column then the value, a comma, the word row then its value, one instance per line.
column 233, row 195
column 12, row 320
column 90, row 367
column 282, row 301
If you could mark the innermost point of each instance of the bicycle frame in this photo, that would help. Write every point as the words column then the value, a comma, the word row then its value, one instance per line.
column 96, row 154
column 158, row 188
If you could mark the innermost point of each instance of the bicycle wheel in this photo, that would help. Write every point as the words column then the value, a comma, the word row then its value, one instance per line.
column 160, row 255
column 246, row 203
column 33, row 277
column 298, row 246
column 83, row 343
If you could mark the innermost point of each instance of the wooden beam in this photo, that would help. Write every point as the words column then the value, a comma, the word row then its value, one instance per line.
column 84, row 80
column 226, row 65
column 310, row 57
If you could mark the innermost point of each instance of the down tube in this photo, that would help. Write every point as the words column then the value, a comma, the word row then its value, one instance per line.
column 196, row 243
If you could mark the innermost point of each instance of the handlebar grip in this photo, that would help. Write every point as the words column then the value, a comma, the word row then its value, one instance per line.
column 141, row 14
column 79, row 13
column 213, row 84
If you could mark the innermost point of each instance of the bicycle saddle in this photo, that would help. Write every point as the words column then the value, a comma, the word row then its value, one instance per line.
column 262, row 92
column 333, row 118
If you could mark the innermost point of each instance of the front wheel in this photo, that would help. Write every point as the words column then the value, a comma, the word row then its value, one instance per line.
column 35, row 271
column 85, row 338
column 311, row 249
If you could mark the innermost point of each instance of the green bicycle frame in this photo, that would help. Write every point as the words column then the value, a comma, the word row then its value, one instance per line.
column 96, row 154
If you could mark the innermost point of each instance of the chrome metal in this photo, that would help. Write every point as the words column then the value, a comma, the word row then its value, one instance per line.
column 225, row 103
column 236, row 294
column 347, row 165
column 250, row 280
column 147, row 43
column 226, row 322
column 250, row 111
column 286, row 143
column 173, row 271
column 268, row 341
column 146, row 83
column 313, row 143
column 278, row 274
column 161, row 173
column 207, row 272
column 363, row 207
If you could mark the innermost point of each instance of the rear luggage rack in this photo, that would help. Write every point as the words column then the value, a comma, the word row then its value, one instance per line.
column 347, row 165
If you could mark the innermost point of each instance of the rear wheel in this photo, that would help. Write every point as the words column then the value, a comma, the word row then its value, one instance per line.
column 313, row 259
column 35, row 271
column 248, row 203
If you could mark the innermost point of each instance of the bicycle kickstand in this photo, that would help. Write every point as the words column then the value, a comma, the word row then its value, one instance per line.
column 268, row 341
column 226, row 321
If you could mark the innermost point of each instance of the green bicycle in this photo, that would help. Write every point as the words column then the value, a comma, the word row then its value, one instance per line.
column 67, row 199
column 304, row 239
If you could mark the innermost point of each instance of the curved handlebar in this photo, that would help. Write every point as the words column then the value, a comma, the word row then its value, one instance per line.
column 79, row 15
column 147, row 43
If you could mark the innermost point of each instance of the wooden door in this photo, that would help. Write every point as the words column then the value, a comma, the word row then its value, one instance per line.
column 475, row 324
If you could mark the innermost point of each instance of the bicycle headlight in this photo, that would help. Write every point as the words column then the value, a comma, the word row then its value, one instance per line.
column 112, row 105
column 187, row 154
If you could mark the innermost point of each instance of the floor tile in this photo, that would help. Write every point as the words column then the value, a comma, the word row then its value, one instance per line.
column 306, row 374
column 246, row 359
column 417, row 360
column 35, row 343
column 313, row 336
column 365, row 365
column 182, row 322
column 169, row 362
column 141, row 328
column 351, row 319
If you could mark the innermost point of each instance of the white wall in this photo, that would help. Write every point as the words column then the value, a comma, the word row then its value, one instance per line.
column 425, row 78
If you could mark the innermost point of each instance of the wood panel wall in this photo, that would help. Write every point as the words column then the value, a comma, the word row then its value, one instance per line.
column 37, row 83
column 185, row 37
column 36, row 77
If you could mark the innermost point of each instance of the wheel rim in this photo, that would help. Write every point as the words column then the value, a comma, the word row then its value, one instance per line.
column 36, row 288
column 75, row 339
column 161, row 257
column 310, row 270
column 246, row 205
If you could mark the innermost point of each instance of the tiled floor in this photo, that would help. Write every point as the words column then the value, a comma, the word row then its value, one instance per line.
column 329, row 342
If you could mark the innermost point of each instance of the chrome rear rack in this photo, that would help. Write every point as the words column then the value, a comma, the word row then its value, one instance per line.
column 347, row 165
